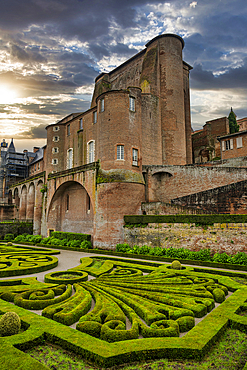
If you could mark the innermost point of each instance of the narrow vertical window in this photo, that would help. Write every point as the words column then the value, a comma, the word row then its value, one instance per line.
column 67, row 202
column 81, row 124
column 134, row 157
column 69, row 158
column 132, row 104
column 102, row 105
column 120, row 152
column 68, row 130
column 91, row 152
column 88, row 203
column 95, row 117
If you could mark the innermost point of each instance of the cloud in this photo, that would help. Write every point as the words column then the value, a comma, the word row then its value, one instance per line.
column 233, row 78
column 52, row 49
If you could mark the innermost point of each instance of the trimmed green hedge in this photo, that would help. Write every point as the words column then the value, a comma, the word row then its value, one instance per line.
column 70, row 236
column 189, row 219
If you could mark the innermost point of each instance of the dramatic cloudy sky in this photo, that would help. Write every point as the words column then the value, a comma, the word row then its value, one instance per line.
column 52, row 50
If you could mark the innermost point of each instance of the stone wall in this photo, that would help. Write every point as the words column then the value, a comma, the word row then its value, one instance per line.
column 229, row 238
column 15, row 228
column 164, row 183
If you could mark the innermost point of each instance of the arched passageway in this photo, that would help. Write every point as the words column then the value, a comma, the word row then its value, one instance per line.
column 71, row 209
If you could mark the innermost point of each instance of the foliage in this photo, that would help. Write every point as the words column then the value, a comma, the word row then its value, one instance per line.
column 70, row 236
column 10, row 324
column 199, row 220
column 240, row 258
column 233, row 126
column 86, row 244
column 176, row 265
column 9, row 237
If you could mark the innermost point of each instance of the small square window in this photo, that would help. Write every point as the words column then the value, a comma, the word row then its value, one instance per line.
column 95, row 117
column 56, row 138
column 56, row 128
column 132, row 104
column 120, row 152
column 55, row 161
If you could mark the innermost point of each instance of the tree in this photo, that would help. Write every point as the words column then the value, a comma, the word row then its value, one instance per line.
column 233, row 126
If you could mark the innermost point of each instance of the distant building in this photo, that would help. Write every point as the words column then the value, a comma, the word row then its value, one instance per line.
column 205, row 146
column 233, row 145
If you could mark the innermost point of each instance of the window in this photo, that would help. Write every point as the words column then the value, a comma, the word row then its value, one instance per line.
column 56, row 128
column 67, row 202
column 68, row 130
column 81, row 124
column 39, row 166
column 135, row 157
column 229, row 144
column 69, row 158
column 88, row 204
column 91, row 152
column 120, row 152
column 55, row 150
column 239, row 142
column 132, row 104
column 54, row 161
column 102, row 105
column 55, row 138
column 95, row 117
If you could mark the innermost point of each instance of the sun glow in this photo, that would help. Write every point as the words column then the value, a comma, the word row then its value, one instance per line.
column 7, row 95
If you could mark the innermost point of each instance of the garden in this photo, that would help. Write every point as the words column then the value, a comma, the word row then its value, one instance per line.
column 109, row 311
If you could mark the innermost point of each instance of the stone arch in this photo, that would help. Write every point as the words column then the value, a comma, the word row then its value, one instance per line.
column 159, row 181
column 30, row 201
column 204, row 155
column 23, row 203
column 70, row 209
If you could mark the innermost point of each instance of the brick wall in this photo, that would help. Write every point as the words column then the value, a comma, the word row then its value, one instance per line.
column 164, row 183
column 224, row 199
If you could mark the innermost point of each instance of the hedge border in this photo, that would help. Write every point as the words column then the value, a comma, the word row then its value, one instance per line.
column 70, row 236
column 197, row 219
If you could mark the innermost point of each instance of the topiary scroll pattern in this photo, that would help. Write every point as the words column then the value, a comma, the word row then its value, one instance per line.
column 149, row 305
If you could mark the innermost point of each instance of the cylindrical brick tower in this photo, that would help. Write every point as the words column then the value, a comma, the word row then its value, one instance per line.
column 170, row 90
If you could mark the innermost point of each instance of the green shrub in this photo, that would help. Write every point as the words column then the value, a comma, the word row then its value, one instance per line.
column 19, row 239
column 144, row 249
column 124, row 248
column 75, row 243
column 86, row 245
column 9, row 244
column 176, row 265
column 70, row 236
column 9, row 237
column 10, row 324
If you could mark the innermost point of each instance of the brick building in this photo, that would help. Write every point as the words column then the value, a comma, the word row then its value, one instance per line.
column 233, row 145
column 131, row 148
